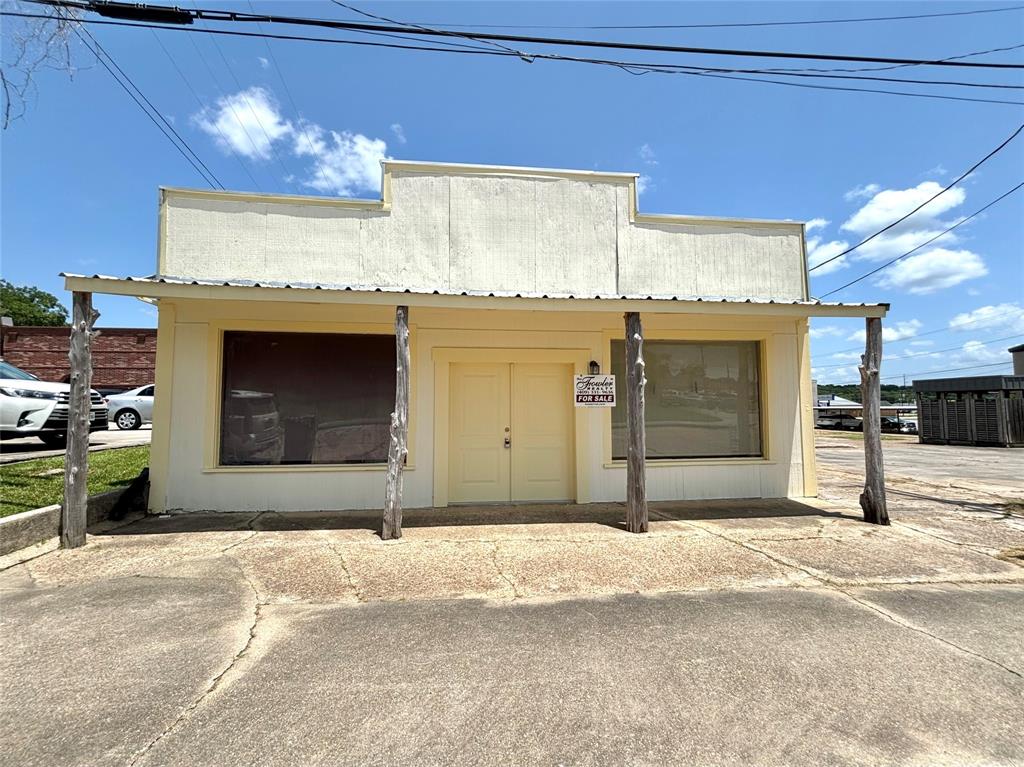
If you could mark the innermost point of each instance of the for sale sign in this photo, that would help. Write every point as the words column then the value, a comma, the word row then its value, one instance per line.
column 594, row 391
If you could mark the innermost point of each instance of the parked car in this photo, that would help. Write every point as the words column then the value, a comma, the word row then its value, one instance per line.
column 891, row 425
column 33, row 408
column 131, row 409
column 841, row 421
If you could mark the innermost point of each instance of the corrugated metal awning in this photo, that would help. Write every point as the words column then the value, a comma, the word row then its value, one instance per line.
column 157, row 286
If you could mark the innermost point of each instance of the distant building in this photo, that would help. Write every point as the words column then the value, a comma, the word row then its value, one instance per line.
column 977, row 410
column 1018, row 359
column 123, row 358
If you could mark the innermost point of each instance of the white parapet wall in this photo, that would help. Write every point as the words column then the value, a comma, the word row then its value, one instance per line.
column 456, row 228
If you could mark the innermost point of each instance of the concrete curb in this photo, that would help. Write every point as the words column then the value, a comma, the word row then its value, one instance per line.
column 28, row 528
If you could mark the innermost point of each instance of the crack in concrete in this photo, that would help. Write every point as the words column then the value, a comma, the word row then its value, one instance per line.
column 246, row 539
column 779, row 560
column 971, row 546
column 216, row 681
column 909, row 625
column 502, row 574
column 321, row 534
column 830, row 585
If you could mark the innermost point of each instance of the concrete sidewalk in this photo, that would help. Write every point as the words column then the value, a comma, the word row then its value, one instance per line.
column 768, row 632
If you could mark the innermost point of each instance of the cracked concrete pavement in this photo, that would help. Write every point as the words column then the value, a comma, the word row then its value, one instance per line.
column 770, row 632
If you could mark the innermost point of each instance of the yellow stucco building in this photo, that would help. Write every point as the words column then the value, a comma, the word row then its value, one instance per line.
column 276, row 352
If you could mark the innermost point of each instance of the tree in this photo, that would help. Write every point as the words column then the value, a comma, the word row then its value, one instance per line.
column 27, row 305
column 30, row 45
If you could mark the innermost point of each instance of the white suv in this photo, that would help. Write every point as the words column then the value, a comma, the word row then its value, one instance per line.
column 33, row 408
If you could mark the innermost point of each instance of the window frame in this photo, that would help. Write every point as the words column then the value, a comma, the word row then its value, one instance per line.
column 764, row 350
column 215, row 388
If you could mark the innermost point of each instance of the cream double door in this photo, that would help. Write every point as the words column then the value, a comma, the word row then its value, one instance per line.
column 511, row 433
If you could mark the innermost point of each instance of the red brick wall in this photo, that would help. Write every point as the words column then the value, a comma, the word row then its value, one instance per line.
column 122, row 358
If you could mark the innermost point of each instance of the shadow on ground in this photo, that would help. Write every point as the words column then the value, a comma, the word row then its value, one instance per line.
column 610, row 515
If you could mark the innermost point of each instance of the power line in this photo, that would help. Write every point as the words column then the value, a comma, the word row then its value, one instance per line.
column 948, row 329
column 252, row 110
column 802, row 22
column 924, row 354
column 233, row 17
column 889, row 263
column 947, row 370
column 938, row 194
column 630, row 67
column 901, row 66
column 194, row 160
column 288, row 92
column 422, row 28
column 230, row 104
column 199, row 101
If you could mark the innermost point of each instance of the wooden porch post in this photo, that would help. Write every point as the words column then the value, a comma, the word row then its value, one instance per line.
column 636, row 436
column 872, row 500
column 398, row 450
column 76, row 457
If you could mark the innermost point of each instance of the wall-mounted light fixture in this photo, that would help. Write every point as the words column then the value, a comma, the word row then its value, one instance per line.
column 595, row 368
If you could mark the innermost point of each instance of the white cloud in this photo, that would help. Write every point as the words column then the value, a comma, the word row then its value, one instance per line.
column 247, row 122
column 976, row 351
column 938, row 265
column 643, row 183
column 860, row 192
column 816, row 223
column 938, row 170
column 933, row 270
column 836, row 375
column 344, row 162
column 893, row 331
column 819, row 252
column 647, row 155
column 251, row 124
column 890, row 204
column 998, row 316
column 399, row 132
column 265, row 63
column 825, row 331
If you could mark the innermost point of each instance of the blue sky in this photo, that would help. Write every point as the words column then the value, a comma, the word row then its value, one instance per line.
column 80, row 171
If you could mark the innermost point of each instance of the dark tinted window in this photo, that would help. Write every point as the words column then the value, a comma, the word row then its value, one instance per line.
column 701, row 399
column 306, row 398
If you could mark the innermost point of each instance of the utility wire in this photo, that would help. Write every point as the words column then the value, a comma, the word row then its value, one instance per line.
column 162, row 124
column 925, row 354
column 947, row 370
column 368, row 15
column 626, row 66
column 252, row 110
column 889, row 263
column 303, row 129
column 233, row 17
column 938, row 194
column 948, row 329
column 901, row 66
column 803, row 22
column 199, row 101
column 691, row 70
column 230, row 104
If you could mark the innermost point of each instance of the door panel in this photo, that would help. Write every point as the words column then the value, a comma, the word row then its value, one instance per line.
column 542, row 432
column 478, row 461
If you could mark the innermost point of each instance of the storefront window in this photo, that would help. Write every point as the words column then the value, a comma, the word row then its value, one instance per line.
column 306, row 398
column 701, row 399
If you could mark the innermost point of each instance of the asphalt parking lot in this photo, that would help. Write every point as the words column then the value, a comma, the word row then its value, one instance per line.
column 906, row 457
